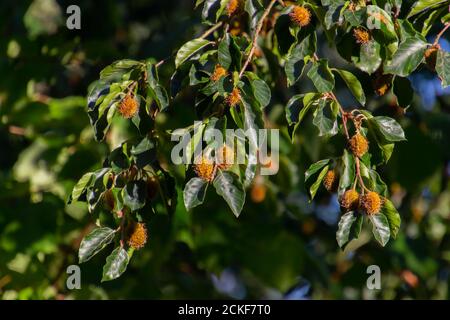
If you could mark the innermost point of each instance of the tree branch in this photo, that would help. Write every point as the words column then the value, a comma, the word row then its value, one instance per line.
column 255, row 36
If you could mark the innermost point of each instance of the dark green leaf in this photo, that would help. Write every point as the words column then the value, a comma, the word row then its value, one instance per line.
column 81, row 186
column 188, row 49
column 353, row 84
column 349, row 228
column 295, row 61
column 194, row 192
column 389, row 128
column 315, row 186
column 116, row 264
column 321, row 75
column 228, row 186
column 407, row 57
column 94, row 242
column 134, row 195
column 388, row 209
column 380, row 228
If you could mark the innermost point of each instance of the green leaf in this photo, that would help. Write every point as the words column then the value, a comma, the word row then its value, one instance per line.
column 423, row 5
column 295, row 111
column 94, row 242
column 348, row 171
column 314, row 168
column 134, row 195
column 321, row 75
column 81, row 186
column 117, row 69
column 224, row 54
column 380, row 228
column 389, row 128
column 261, row 91
column 295, row 61
column 443, row 67
column 369, row 57
column 315, row 186
column 188, row 49
column 229, row 187
column 194, row 192
column 388, row 209
column 407, row 57
column 353, row 84
column 403, row 91
column 116, row 264
column 325, row 120
column 380, row 20
column 349, row 228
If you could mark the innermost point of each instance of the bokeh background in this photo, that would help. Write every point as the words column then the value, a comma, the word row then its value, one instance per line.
column 281, row 248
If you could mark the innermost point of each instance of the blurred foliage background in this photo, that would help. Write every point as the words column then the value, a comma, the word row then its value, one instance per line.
column 281, row 247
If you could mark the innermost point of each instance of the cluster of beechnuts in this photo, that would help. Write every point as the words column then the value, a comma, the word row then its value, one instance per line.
column 232, row 73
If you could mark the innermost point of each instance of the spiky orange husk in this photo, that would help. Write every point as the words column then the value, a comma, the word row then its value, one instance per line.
column 128, row 107
column 233, row 7
column 137, row 235
column 205, row 168
column 361, row 35
column 329, row 181
column 370, row 203
column 350, row 200
column 218, row 73
column 359, row 145
column 225, row 158
column 300, row 15
column 233, row 98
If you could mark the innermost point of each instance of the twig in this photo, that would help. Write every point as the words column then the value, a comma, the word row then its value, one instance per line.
column 255, row 36
column 447, row 25
column 211, row 30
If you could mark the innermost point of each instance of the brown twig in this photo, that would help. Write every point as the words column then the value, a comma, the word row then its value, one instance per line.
column 211, row 30
column 447, row 25
column 255, row 36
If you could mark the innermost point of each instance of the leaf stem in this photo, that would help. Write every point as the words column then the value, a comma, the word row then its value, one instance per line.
column 255, row 36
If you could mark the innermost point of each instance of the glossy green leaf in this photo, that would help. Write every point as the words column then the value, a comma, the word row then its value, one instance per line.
column 380, row 228
column 94, row 242
column 116, row 264
column 194, row 192
column 407, row 57
column 315, row 186
column 81, row 186
column 188, row 49
column 388, row 209
column 134, row 195
column 389, row 128
column 353, row 84
column 423, row 5
column 349, row 228
column 229, row 187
